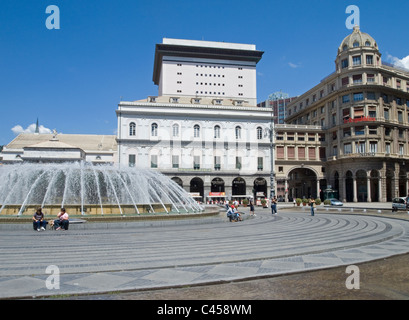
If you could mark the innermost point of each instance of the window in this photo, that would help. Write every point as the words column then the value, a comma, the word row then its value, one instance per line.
column 370, row 78
column 175, row 130
column 347, row 132
column 369, row 59
column 175, row 161
column 373, row 146
column 217, row 165
column 238, row 132
column 358, row 112
column 373, row 130
column 356, row 60
column 346, row 114
column 358, row 96
column 372, row 112
column 401, row 149
column 357, row 79
column 154, row 130
column 345, row 81
column 371, row 96
column 360, row 147
column 400, row 117
column 217, row 132
column 259, row 163
column 196, row 162
column 131, row 160
column 387, row 148
column 154, row 161
column 259, row 133
column 356, row 44
column 345, row 99
column 386, row 114
column 196, row 131
column 347, row 148
column 359, row 131
column 132, row 129
column 344, row 63
column 238, row 162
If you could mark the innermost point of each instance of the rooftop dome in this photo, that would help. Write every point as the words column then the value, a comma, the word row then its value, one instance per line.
column 357, row 39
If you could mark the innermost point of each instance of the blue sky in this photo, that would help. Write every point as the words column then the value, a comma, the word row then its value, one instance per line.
column 72, row 79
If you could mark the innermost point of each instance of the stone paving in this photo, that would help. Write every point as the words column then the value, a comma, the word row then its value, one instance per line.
column 92, row 259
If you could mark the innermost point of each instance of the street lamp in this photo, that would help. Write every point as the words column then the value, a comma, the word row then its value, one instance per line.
column 272, row 146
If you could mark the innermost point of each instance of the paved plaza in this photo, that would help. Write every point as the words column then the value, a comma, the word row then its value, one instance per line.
column 100, row 258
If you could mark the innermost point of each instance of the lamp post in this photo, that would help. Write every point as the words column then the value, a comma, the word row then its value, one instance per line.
column 272, row 171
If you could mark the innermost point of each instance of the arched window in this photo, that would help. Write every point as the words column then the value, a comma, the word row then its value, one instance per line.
column 367, row 44
column 132, row 129
column 175, row 130
column 356, row 44
column 196, row 131
column 259, row 133
column 154, row 129
column 238, row 132
column 216, row 132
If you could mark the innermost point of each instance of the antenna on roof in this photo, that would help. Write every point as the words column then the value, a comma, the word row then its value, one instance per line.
column 37, row 127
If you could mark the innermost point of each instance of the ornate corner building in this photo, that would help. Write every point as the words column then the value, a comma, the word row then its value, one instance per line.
column 350, row 132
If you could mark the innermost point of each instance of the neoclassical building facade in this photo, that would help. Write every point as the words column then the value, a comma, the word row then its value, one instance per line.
column 203, row 129
column 361, row 118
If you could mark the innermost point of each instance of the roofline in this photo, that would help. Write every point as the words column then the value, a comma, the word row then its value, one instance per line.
column 200, row 52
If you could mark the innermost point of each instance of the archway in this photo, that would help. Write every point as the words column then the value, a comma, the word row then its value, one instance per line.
column 402, row 183
column 374, row 185
column 362, row 186
column 196, row 186
column 349, row 187
column 389, row 178
column 178, row 181
column 302, row 183
column 239, row 188
column 260, row 188
column 217, row 192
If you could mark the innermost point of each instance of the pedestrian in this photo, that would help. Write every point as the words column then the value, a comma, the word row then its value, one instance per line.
column 38, row 220
column 274, row 205
column 252, row 209
column 312, row 205
column 62, row 222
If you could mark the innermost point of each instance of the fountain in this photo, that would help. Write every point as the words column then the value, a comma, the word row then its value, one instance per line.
column 86, row 189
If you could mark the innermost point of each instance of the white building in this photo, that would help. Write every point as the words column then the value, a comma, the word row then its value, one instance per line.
column 204, row 129
column 206, row 69
column 34, row 147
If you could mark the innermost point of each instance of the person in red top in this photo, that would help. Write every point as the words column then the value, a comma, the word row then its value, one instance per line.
column 62, row 222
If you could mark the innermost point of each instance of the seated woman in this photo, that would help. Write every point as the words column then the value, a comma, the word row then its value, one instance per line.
column 38, row 220
column 62, row 222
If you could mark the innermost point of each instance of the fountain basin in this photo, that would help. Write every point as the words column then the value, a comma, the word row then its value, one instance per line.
column 86, row 189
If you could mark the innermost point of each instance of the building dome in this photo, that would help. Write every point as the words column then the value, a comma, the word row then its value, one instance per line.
column 357, row 39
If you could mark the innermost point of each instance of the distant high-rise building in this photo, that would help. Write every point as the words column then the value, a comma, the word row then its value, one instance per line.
column 278, row 101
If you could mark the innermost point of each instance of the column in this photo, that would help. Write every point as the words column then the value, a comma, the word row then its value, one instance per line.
column 355, row 190
column 343, row 190
column 368, row 189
